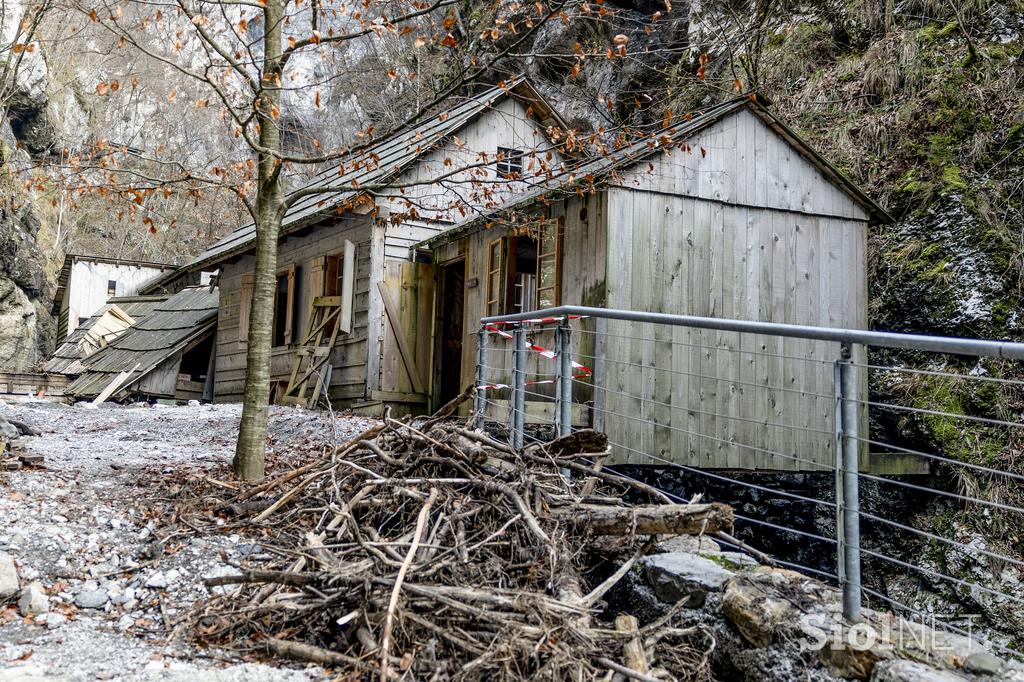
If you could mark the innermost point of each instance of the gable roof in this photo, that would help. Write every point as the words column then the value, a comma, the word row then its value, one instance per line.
column 173, row 326
column 597, row 169
column 380, row 162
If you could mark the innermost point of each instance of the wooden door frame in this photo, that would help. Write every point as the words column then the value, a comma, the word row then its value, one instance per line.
column 437, row 340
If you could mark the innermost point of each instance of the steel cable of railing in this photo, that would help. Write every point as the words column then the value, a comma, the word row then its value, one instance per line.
column 930, row 617
column 933, row 536
column 937, row 373
column 940, row 458
column 936, row 574
column 939, row 413
column 673, row 342
column 695, row 434
column 704, row 377
column 618, row 471
column 735, row 397
column 942, row 493
column 702, row 472
column 688, row 410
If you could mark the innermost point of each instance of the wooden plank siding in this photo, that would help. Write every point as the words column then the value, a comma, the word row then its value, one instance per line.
column 506, row 124
column 582, row 282
column 349, row 358
column 740, row 226
column 410, row 287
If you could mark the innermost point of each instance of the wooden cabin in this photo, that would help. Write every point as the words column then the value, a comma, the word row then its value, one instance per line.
column 351, row 244
column 728, row 215
column 85, row 283
column 166, row 355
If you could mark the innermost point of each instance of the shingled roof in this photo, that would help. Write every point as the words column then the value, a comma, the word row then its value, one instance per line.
column 375, row 164
column 596, row 170
column 173, row 326
column 109, row 322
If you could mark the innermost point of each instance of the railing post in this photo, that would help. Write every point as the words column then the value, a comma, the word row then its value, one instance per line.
column 518, row 398
column 479, row 401
column 837, row 445
column 849, row 503
column 563, row 390
column 600, row 333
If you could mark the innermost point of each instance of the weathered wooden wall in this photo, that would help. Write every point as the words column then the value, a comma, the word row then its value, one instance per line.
column 742, row 227
column 400, row 373
column 86, row 291
column 21, row 385
column 582, row 283
column 438, row 204
column 349, row 358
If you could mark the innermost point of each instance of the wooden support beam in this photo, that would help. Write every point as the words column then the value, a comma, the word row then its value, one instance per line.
column 633, row 653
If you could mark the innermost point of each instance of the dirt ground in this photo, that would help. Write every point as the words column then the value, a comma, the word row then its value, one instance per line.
column 96, row 527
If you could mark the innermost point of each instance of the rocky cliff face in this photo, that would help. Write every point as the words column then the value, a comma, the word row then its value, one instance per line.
column 40, row 121
column 25, row 294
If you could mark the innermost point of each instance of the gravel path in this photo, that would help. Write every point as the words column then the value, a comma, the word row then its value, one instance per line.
column 95, row 529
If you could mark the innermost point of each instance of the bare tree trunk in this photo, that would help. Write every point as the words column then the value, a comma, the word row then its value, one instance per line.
column 252, row 435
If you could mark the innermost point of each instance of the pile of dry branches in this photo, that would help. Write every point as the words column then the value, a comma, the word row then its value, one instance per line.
column 439, row 553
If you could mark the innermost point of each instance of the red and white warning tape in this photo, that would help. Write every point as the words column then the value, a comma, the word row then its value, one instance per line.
column 530, row 383
column 584, row 371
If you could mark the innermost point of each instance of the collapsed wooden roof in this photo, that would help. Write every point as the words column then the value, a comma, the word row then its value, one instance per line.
column 374, row 164
column 109, row 322
column 174, row 326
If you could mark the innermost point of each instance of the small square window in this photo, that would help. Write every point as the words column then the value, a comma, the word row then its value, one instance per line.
column 111, row 287
column 510, row 161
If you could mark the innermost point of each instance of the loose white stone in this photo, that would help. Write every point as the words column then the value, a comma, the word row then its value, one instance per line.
column 157, row 581
column 33, row 600
column 9, row 583
column 91, row 599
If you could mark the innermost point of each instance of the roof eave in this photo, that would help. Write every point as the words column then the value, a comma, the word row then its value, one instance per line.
column 877, row 214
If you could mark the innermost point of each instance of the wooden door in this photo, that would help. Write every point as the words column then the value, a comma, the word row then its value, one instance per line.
column 451, row 295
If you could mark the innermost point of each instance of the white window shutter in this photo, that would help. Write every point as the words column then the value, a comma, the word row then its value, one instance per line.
column 244, row 305
column 348, row 285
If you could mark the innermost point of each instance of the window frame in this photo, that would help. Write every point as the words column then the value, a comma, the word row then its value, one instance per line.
column 495, row 303
column 556, row 255
column 509, row 162
column 289, row 322
column 500, row 289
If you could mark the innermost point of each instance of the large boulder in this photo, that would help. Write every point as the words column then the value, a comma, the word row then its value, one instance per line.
column 680, row 576
column 25, row 292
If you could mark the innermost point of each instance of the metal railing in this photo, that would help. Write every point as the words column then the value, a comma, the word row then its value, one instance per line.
column 728, row 401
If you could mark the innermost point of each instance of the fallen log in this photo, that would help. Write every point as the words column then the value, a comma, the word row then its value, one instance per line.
column 633, row 653
column 278, row 577
column 664, row 519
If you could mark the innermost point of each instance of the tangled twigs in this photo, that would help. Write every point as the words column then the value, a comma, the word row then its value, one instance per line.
column 389, row 618
column 436, row 551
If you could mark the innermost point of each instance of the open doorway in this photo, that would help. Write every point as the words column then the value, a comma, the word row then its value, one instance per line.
column 451, row 294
